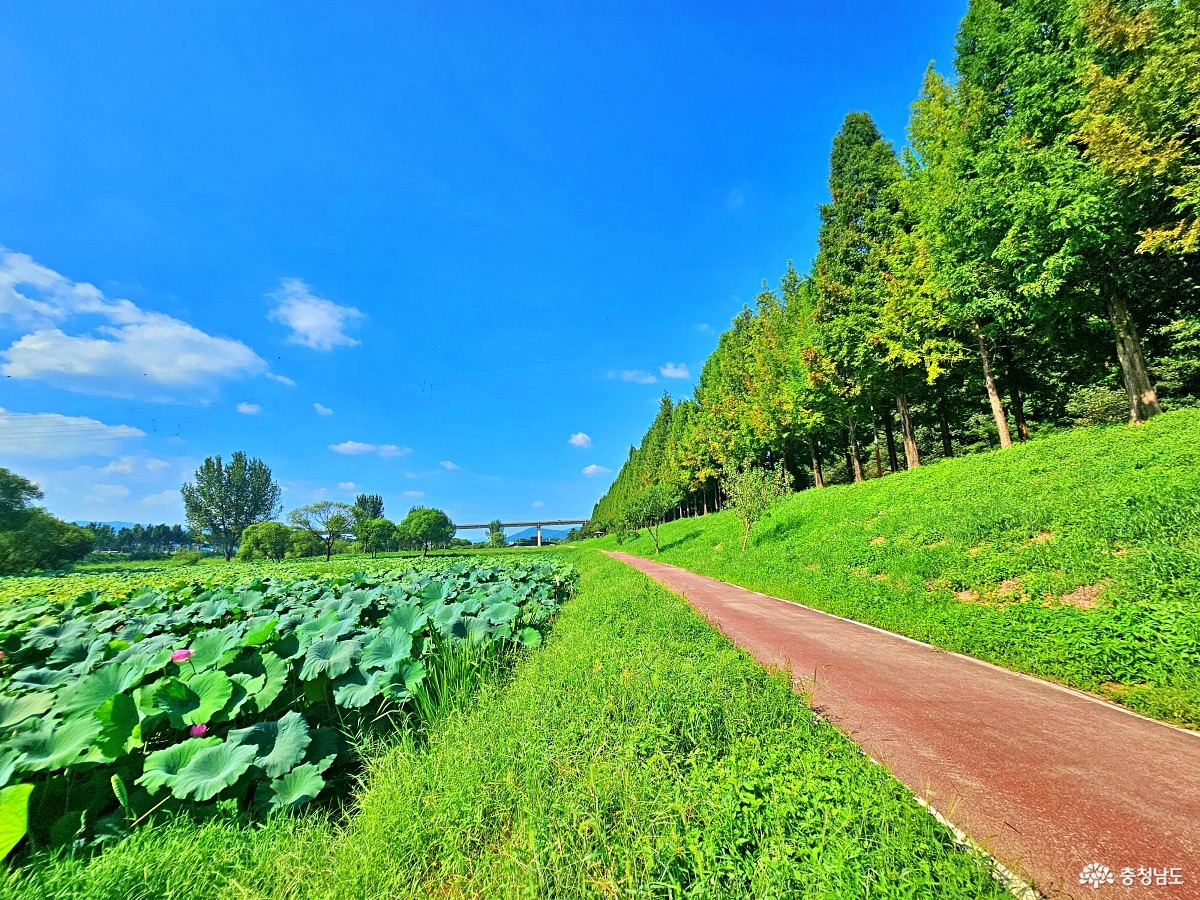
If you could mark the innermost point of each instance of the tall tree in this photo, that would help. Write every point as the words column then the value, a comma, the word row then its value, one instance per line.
column 16, row 493
column 368, row 506
column 226, row 498
column 427, row 527
column 495, row 534
column 326, row 519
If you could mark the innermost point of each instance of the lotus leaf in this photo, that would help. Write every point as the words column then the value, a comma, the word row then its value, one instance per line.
column 270, row 669
column 8, row 764
column 212, row 770
column 32, row 678
column 405, row 680
column 294, row 789
column 92, row 690
column 162, row 766
column 478, row 630
column 503, row 612
column 529, row 637
column 46, row 636
column 357, row 688
column 209, row 649
column 260, row 631
column 331, row 658
column 277, row 745
column 55, row 745
column 196, row 701
column 387, row 649
column 15, row 710
column 405, row 617
column 14, row 816
column 119, row 726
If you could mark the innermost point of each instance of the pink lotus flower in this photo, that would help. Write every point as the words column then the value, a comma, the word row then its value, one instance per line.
column 198, row 730
column 182, row 655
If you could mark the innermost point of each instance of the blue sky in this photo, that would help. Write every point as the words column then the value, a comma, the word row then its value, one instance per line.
column 450, row 253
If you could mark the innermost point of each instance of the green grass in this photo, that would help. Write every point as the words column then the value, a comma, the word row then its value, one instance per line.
column 636, row 753
column 1001, row 556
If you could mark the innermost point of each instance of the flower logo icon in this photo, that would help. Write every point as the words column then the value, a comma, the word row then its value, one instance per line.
column 1096, row 875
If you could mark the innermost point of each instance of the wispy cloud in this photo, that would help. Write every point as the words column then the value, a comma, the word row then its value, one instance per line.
column 704, row 328
column 358, row 448
column 313, row 321
column 579, row 439
column 414, row 493
column 675, row 370
column 59, row 436
column 282, row 379
column 162, row 498
column 537, row 504
column 637, row 376
column 102, row 493
column 134, row 353
column 449, row 466
column 347, row 486
column 249, row 409
column 594, row 469
column 322, row 410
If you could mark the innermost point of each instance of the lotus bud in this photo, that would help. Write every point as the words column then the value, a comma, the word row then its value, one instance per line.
column 182, row 655
column 198, row 730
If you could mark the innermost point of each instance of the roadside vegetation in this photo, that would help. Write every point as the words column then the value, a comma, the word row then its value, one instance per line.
column 636, row 752
column 1075, row 557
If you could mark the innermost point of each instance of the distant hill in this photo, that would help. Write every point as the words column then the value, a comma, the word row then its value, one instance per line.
column 548, row 534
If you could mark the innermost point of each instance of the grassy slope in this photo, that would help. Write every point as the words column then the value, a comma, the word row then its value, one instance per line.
column 977, row 555
column 636, row 753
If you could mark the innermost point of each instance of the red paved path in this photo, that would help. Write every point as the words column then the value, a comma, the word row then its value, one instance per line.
column 1045, row 778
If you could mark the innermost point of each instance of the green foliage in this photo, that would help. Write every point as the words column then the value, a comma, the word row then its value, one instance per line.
column 42, row 542
column 495, row 534
column 327, row 520
column 15, row 495
column 753, row 492
column 425, row 528
column 269, row 539
column 649, row 508
column 1072, row 557
column 368, row 506
column 1097, row 405
column 374, row 534
column 225, row 499
column 305, row 543
column 216, row 692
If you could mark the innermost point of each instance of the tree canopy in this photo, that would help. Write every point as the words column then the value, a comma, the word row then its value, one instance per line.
column 225, row 499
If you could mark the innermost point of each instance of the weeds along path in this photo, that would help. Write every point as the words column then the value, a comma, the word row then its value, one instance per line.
column 1047, row 779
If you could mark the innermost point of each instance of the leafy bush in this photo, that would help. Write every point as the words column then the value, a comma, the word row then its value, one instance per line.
column 236, row 693
column 186, row 557
column 1098, row 405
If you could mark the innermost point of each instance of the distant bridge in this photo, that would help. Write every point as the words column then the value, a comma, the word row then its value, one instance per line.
column 527, row 525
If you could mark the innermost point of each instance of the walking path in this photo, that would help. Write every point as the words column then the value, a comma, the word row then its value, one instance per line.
column 1046, row 779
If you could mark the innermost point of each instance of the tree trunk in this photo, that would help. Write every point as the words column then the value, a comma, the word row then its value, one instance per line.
column 818, row 475
column 912, row 456
column 1143, row 401
column 890, row 434
column 944, row 425
column 853, row 450
column 993, row 395
column 704, row 499
column 1013, row 377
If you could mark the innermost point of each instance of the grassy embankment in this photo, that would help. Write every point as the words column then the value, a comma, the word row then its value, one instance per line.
column 636, row 753
column 1075, row 557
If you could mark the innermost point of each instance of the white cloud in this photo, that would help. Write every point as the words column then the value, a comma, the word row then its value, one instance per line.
column 156, row 465
column 162, row 498
column 282, row 379
column 537, row 504
column 322, row 410
column 121, row 466
column 249, row 409
column 675, row 370
column 132, row 353
column 347, row 486
column 579, row 439
column 314, row 321
column 449, row 466
column 59, row 436
column 414, row 493
column 594, row 469
column 704, row 328
column 358, row 448
column 102, row 493
column 637, row 376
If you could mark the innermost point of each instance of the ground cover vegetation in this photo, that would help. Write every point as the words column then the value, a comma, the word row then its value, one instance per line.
column 116, row 705
column 636, row 752
column 1029, row 260
column 1074, row 557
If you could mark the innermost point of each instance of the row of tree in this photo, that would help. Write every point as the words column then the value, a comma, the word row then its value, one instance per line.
column 1029, row 259
column 142, row 540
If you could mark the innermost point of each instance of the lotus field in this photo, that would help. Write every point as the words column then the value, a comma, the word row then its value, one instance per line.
column 123, row 702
